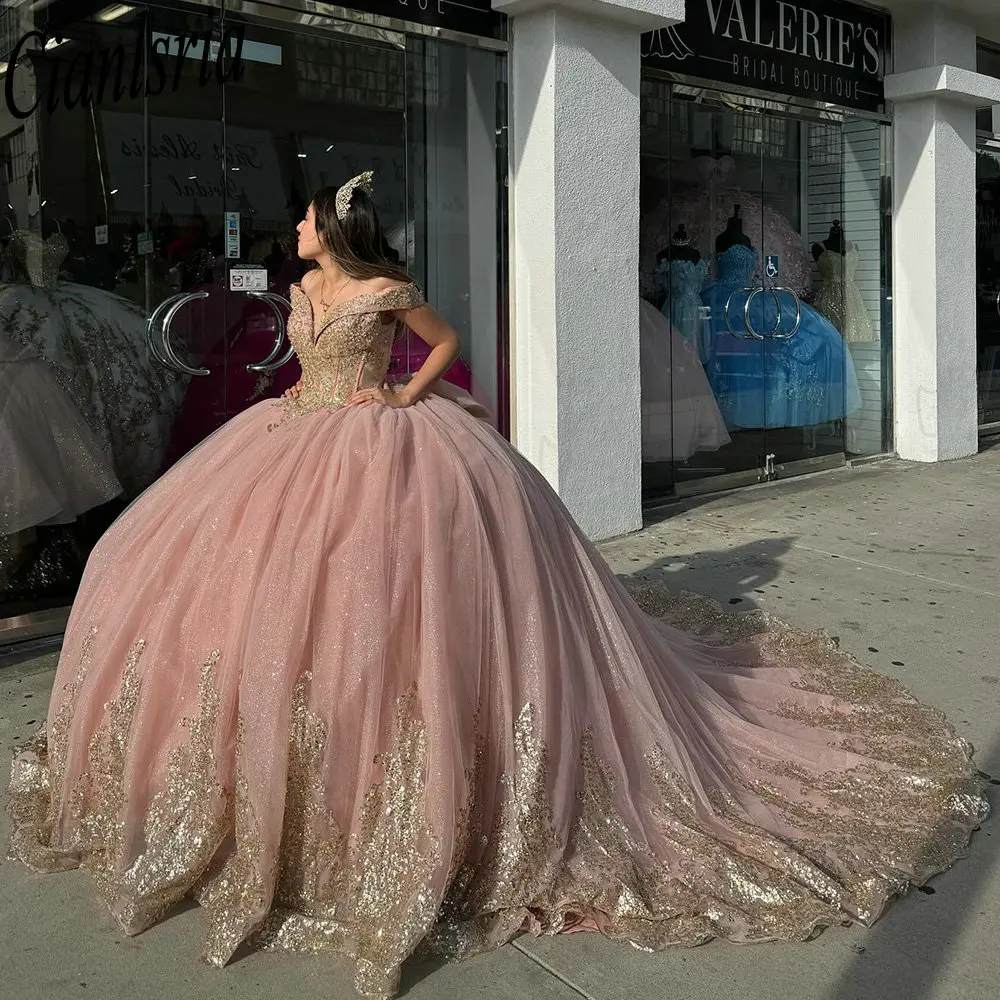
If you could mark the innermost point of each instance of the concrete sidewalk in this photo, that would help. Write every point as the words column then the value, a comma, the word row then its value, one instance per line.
column 899, row 561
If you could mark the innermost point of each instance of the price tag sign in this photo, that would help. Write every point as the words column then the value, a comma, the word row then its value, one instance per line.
column 101, row 235
column 772, row 266
column 144, row 244
column 232, row 235
column 248, row 279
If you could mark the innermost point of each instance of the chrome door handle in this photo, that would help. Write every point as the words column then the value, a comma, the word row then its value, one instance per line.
column 272, row 300
column 751, row 334
column 775, row 335
column 746, row 312
column 178, row 304
column 154, row 318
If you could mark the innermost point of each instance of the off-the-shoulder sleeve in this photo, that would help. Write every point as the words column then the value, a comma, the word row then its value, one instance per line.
column 397, row 297
column 402, row 297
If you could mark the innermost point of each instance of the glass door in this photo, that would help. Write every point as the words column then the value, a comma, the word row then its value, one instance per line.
column 702, row 353
column 165, row 156
column 748, row 279
column 809, row 268
column 988, row 282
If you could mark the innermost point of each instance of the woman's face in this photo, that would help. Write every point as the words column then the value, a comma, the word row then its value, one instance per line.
column 309, row 245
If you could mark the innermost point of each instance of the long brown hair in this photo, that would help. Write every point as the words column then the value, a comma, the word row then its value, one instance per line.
column 357, row 243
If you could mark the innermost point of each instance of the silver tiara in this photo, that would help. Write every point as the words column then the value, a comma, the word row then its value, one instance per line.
column 346, row 192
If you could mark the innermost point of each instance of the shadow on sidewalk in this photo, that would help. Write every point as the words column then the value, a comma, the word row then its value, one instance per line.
column 737, row 577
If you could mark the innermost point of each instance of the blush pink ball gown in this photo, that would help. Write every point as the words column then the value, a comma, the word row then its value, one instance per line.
column 353, row 679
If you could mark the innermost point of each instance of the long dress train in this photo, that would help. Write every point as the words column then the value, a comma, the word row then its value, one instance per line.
column 354, row 679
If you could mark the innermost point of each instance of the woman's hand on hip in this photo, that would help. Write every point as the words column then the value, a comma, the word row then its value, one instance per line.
column 380, row 395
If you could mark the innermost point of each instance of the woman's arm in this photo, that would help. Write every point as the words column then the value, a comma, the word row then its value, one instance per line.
column 445, row 348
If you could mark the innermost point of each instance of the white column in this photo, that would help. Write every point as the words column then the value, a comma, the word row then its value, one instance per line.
column 574, row 130
column 935, row 92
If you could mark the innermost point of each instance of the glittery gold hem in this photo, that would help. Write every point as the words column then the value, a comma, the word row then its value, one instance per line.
column 651, row 863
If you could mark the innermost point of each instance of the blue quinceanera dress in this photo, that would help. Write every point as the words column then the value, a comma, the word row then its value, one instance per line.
column 801, row 381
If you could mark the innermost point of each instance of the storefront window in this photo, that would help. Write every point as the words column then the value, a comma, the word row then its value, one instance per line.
column 764, row 335
column 149, row 241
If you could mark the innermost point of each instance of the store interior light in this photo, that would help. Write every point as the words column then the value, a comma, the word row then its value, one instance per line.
column 113, row 12
column 114, row 190
column 302, row 156
column 328, row 148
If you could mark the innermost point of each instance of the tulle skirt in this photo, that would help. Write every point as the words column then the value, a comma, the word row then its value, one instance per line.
column 356, row 681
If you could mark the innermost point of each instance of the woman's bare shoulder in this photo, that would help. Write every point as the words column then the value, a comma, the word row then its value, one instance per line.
column 375, row 286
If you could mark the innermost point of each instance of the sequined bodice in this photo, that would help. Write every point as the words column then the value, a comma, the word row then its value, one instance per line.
column 735, row 266
column 348, row 348
column 836, row 267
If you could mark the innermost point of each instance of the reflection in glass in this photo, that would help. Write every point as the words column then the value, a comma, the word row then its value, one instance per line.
column 162, row 205
column 732, row 201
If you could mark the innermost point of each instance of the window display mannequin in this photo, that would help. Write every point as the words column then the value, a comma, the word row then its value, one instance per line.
column 703, row 192
column 802, row 381
column 838, row 297
column 679, row 248
column 94, row 343
column 684, row 271
column 679, row 413
column 733, row 234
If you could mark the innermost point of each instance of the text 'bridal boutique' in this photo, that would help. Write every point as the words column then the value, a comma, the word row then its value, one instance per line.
column 352, row 678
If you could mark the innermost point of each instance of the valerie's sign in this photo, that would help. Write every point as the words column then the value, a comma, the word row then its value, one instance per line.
column 826, row 50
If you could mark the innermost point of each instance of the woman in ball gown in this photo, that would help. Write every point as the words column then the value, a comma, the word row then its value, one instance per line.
column 351, row 676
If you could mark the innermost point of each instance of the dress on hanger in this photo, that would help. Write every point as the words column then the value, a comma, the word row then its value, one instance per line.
column 679, row 413
column 353, row 678
column 840, row 299
column 94, row 343
column 802, row 381
column 52, row 467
